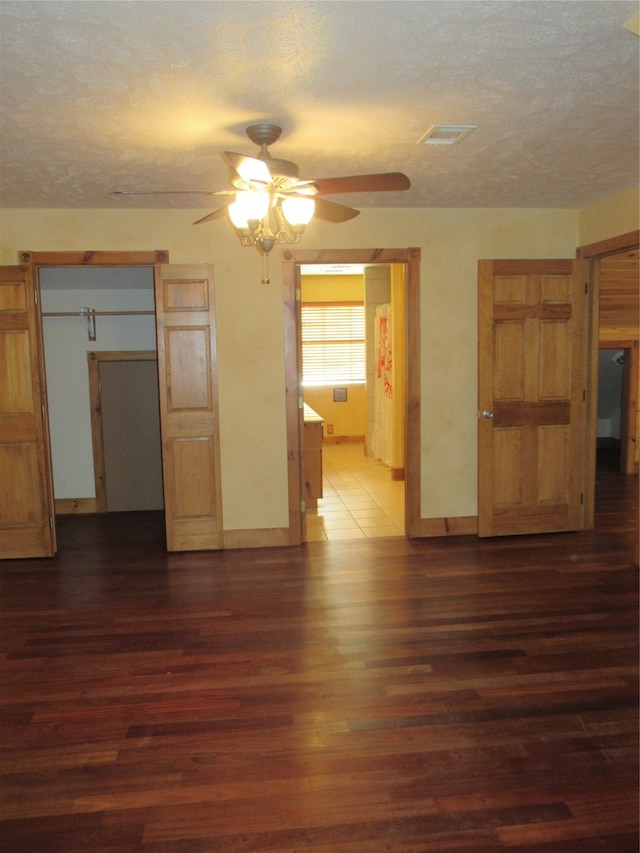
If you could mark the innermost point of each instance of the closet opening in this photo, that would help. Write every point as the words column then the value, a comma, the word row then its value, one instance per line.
column 102, row 386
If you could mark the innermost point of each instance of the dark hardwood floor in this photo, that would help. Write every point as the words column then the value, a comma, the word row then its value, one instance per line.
column 342, row 697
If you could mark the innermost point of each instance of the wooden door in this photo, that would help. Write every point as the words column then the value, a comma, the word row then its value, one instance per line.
column 531, row 396
column 189, row 423
column 27, row 526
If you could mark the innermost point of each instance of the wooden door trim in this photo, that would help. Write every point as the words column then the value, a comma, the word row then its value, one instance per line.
column 611, row 246
column 94, row 360
column 593, row 253
column 95, row 259
column 410, row 257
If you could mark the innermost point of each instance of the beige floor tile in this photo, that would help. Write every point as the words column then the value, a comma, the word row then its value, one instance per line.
column 382, row 531
column 360, row 499
column 342, row 523
column 354, row 533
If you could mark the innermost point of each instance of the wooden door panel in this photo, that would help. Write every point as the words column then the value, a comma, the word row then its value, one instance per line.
column 26, row 491
column 508, row 476
column 552, row 474
column 532, row 376
column 188, row 369
column 509, row 372
column 193, row 460
column 188, row 407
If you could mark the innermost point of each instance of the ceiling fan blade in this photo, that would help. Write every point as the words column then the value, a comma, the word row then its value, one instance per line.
column 383, row 182
column 173, row 192
column 217, row 214
column 329, row 211
column 249, row 168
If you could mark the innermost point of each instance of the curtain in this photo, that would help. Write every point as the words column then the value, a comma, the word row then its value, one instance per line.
column 381, row 440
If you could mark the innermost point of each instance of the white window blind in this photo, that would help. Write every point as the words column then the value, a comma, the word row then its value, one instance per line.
column 333, row 350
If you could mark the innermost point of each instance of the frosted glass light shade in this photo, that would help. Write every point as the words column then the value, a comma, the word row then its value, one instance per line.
column 298, row 211
column 248, row 205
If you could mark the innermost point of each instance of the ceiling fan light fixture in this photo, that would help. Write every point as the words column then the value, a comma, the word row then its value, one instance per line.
column 298, row 211
column 263, row 221
column 248, row 207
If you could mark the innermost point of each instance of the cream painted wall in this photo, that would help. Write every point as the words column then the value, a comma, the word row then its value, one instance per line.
column 250, row 327
column 348, row 418
column 609, row 217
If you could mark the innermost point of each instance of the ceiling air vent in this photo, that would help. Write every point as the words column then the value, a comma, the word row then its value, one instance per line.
column 446, row 134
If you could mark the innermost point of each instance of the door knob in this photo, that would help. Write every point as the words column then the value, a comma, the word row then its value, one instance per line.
column 487, row 414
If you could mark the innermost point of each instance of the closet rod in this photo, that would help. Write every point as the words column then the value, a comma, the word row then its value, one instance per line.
column 95, row 313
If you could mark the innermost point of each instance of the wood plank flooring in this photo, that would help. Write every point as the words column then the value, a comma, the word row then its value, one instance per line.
column 341, row 697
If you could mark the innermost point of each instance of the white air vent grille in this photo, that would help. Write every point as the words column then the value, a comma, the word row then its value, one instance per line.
column 446, row 134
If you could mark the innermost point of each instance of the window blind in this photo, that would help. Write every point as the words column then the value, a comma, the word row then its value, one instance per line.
column 333, row 348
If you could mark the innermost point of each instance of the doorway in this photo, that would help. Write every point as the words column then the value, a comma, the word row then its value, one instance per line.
column 292, row 264
column 125, row 427
column 610, row 370
column 90, row 309
column 360, row 460
column 612, row 284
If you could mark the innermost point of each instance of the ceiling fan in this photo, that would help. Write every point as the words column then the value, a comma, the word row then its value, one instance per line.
column 271, row 204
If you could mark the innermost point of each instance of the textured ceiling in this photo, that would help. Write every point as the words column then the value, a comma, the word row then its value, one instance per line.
column 103, row 96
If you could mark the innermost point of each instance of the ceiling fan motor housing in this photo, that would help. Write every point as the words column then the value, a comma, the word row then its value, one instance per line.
column 266, row 134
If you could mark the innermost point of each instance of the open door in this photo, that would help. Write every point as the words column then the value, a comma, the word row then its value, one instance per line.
column 531, row 396
column 188, row 392
column 27, row 526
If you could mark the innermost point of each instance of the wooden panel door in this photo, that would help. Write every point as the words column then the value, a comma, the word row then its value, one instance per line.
column 26, row 489
column 187, row 370
column 531, row 396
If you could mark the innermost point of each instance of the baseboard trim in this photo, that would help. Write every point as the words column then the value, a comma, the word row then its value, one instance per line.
column 75, row 506
column 268, row 537
column 455, row 526
column 342, row 439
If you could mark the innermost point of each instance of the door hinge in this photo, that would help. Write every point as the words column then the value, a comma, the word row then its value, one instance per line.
column 51, row 522
column 35, row 296
column 303, row 506
column 298, row 294
column 301, row 402
column 44, row 414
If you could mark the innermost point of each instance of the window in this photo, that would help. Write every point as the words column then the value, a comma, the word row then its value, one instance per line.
column 333, row 350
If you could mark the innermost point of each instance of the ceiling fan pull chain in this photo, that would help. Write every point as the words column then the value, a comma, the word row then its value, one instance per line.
column 265, row 269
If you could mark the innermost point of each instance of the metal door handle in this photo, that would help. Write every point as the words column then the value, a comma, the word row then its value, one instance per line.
column 487, row 414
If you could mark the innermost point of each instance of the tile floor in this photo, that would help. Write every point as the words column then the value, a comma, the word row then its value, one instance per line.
column 360, row 498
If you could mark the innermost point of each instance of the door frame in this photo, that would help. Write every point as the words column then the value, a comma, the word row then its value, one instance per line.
column 291, row 262
column 94, row 359
column 38, row 260
column 591, row 253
